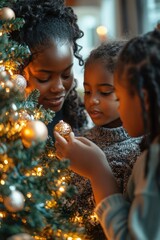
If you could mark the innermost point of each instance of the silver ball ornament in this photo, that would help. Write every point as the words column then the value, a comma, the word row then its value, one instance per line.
column 19, row 82
column 15, row 201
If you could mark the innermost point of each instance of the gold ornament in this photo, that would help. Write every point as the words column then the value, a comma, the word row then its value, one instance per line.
column 15, row 201
column 34, row 132
column 6, row 13
column 63, row 129
column 19, row 82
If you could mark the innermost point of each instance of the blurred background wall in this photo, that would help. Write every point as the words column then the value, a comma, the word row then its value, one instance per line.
column 111, row 19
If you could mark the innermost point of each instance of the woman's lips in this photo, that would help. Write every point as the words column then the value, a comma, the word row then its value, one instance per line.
column 54, row 102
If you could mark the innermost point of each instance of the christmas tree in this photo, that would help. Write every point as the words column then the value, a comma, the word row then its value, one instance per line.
column 33, row 182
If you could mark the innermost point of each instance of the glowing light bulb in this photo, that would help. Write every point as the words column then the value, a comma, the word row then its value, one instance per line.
column 102, row 33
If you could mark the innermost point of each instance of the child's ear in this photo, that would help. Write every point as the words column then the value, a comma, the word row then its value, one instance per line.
column 146, row 99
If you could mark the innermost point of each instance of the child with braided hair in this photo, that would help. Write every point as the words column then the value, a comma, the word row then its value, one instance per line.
column 51, row 33
column 108, row 133
column 137, row 86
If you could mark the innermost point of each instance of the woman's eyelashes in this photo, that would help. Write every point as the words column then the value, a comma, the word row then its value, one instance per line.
column 42, row 81
column 50, row 78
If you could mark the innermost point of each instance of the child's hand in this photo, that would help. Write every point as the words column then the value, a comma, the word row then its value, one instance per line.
column 85, row 156
column 88, row 160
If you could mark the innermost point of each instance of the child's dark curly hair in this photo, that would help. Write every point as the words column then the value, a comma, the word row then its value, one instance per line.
column 107, row 53
column 46, row 20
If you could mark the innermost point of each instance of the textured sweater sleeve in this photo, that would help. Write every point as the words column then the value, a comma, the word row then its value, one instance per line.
column 133, row 219
column 113, row 214
column 121, row 221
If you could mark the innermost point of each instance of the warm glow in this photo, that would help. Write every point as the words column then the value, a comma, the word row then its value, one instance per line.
column 61, row 189
column 24, row 220
column 2, row 84
column 94, row 217
column 29, row 195
column 50, row 204
column 1, row 166
column 10, row 71
column 78, row 219
column 39, row 238
column 51, row 154
column 2, row 214
column 102, row 33
column 6, row 161
column 7, row 90
column 101, row 30
column 39, row 171
column 2, row 182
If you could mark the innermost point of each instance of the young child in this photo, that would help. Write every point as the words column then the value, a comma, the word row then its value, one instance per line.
column 51, row 33
column 101, row 104
column 138, row 90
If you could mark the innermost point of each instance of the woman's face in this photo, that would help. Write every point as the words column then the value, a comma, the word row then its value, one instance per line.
column 51, row 72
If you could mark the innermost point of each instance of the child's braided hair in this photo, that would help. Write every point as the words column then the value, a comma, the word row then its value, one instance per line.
column 140, row 59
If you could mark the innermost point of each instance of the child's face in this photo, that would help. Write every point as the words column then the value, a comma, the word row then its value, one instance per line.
column 130, row 109
column 99, row 98
column 50, row 71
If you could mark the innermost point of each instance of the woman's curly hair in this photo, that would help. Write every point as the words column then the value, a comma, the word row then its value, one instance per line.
column 46, row 20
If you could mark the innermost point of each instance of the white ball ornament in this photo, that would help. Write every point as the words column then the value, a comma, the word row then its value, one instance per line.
column 21, row 236
column 6, row 13
column 34, row 132
column 15, row 201
column 19, row 82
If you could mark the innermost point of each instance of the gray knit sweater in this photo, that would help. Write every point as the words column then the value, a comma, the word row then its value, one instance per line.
column 121, row 152
column 120, row 149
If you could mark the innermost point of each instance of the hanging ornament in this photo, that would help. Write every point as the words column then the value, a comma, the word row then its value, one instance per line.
column 19, row 82
column 34, row 132
column 4, row 75
column 24, row 115
column 15, row 201
column 6, row 13
column 63, row 129
column 20, row 236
